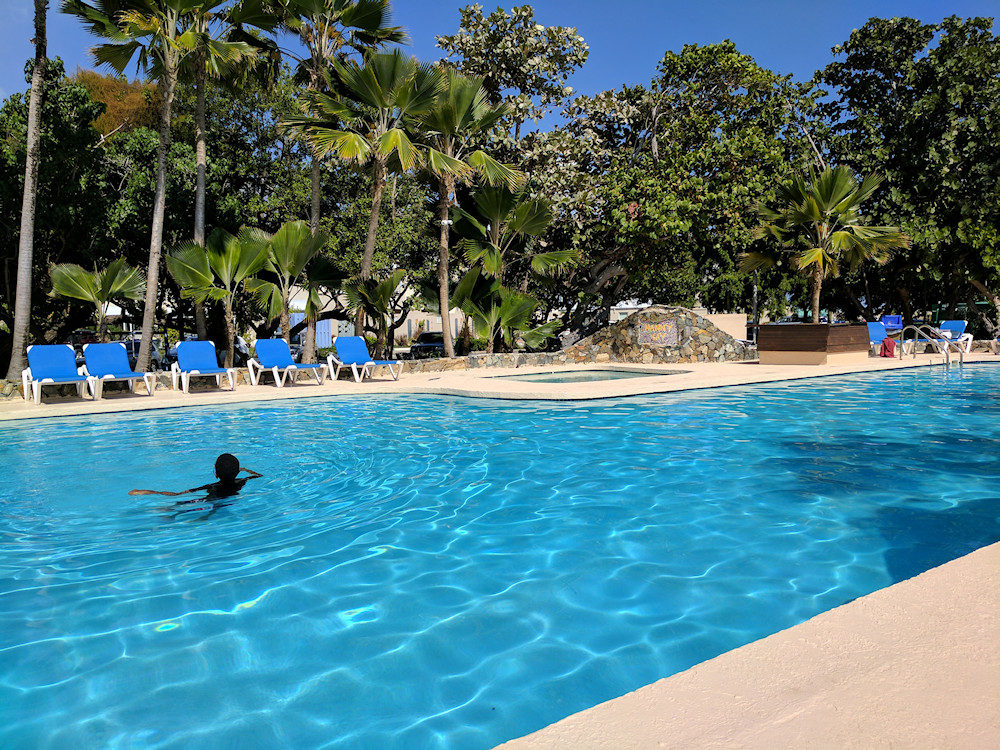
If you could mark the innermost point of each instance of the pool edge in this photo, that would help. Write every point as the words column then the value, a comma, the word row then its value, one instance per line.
column 916, row 664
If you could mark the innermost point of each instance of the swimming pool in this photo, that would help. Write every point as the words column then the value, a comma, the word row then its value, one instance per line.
column 431, row 572
column 584, row 376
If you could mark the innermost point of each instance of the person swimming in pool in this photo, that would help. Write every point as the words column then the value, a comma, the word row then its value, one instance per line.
column 227, row 469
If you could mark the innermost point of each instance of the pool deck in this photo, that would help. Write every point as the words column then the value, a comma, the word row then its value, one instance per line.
column 914, row 665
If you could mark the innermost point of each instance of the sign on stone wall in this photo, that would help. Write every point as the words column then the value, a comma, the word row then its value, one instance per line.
column 663, row 333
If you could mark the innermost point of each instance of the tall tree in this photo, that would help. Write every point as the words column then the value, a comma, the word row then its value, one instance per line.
column 214, row 57
column 460, row 114
column 520, row 61
column 920, row 103
column 819, row 223
column 372, row 123
column 155, row 33
column 329, row 30
column 25, row 248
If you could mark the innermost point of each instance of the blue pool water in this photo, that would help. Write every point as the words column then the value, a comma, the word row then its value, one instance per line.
column 431, row 572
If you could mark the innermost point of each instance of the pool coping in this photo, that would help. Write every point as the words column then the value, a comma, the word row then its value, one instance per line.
column 475, row 383
column 916, row 664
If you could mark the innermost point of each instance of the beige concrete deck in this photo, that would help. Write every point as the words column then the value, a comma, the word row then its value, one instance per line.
column 915, row 665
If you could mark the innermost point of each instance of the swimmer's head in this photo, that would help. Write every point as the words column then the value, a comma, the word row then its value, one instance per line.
column 227, row 466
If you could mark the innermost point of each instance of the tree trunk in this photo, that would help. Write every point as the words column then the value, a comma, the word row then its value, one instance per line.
column 102, row 325
column 817, row 285
column 286, row 334
column 230, row 332
column 202, row 167
column 309, row 346
column 26, row 241
column 378, row 187
column 446, row 187
column 168, row 86
column 315, row 192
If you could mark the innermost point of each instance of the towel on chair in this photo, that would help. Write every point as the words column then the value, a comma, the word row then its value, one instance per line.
column 888, row 348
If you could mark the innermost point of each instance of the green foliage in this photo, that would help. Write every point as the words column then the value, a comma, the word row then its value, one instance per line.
column 820, row 224
column 288, row 252
column 520, row 61
column 920, row 103
column 118, row 281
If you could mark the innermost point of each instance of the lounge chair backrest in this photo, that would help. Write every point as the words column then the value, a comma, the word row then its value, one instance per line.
column 956, row 327
column 352, row 349
column 876, row 332
column 52, row 361
column 106, row 359
column 892, row 321
column 196, row 355
column 273, row 353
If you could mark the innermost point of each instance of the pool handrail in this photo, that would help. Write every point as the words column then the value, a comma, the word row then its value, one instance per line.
column 935, row 338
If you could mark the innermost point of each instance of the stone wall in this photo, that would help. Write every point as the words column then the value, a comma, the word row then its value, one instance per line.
column 655, row 335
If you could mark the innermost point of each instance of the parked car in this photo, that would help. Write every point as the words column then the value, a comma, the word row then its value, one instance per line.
column 428, row 345
column 155, row 355
column 78, row 339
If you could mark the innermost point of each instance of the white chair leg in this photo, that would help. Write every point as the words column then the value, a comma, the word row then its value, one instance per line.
column 150, row 383
column 279, row 379
column 36, row 390
column 231, row 375
column 24, row 383
column 186, row 380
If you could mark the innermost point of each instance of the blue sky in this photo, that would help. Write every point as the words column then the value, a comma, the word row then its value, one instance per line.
column 627, row 38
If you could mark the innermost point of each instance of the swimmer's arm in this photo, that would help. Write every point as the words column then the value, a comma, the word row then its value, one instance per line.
column 253, row 474
column 171, row 494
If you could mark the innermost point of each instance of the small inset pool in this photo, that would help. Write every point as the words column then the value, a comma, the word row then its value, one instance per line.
column 586, row 376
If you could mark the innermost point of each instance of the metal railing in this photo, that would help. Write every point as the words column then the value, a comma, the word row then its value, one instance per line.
column 936, row 338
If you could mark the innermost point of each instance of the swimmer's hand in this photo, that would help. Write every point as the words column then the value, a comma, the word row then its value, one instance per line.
column 153, row 492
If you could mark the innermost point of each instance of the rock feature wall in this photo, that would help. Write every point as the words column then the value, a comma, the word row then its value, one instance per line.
column 656, row 335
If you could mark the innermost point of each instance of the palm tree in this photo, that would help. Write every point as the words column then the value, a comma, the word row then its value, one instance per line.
column 323, row 278
column 118, row 281
column 372, row 123
column 500, row 233
column 327, row 29
column 373, row 298
column 820, row 224
column 155, row 32
column 460, row 114
column 215, row 57
column 218, row 270
column 26, row 239
column 289, row 251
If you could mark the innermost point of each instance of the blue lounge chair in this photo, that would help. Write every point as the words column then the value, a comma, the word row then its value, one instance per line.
column 198, row 358
column 877, row 334
column 954, row 330
column 110, row 362
column 353, row 351
column 274, row 355
column 892, row 322
column 54, row 364
column 947, row 332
